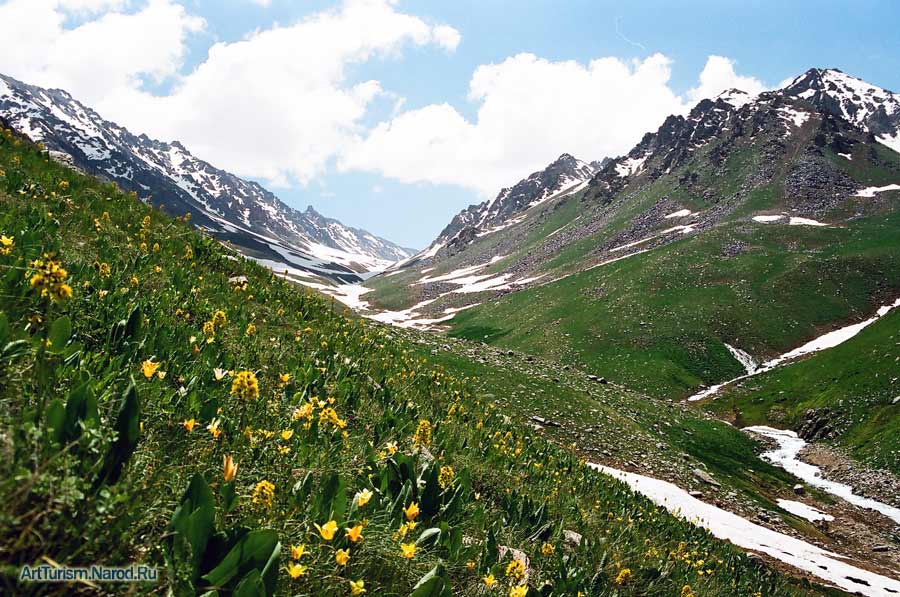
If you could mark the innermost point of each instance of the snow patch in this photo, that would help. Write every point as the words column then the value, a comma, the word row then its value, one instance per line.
column 681, row 213
column 786, row 456
column 743, row 357
column 823, row 342
column 804, row 511
column 870, row 191
column 826, row 565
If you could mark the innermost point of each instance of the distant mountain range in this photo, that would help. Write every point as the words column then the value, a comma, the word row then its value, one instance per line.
column 243, row 213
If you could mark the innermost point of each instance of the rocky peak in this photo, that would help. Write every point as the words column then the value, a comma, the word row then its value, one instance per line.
column 870, row 108
column 565, row 174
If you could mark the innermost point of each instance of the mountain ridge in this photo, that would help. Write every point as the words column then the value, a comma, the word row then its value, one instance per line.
column 233, row 209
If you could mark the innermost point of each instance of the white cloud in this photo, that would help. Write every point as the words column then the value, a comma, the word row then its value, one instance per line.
column 100, row 57
column 531, row 110
column 719, row 75
column 280, row 104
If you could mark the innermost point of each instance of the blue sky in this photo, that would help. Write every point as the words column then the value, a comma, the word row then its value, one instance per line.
column 430, row 158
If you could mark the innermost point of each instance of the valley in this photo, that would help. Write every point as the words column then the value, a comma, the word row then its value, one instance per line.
column 681, row 362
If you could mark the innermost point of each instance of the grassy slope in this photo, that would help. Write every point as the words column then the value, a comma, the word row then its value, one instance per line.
column 594, row 417
column 657, row 321
column 507, row 481
column 857, row 380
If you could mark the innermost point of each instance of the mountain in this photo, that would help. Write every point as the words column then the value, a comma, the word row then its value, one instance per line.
column 564, row 176
column 755, row 222
column 240, row 212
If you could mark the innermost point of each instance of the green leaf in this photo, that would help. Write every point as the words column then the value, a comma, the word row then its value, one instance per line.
column 430, row 498
column 256, row 550
column 81, row 406
column 251, row 586
column 56, row 420
column 433, row 534
column 128, row 428
column 60, row 332
column 4, row 329
column 432, row 584
column 192, row 524
column 332, row 499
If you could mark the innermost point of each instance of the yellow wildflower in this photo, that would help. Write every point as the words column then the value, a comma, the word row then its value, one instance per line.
column 408, row 550
column 297, row 551
column 489, row 581
column 229, row 468
column 412, row 511
column 357, row 587
column 354, row 533
column 215, row 428
column 363, row 497
column 189, row 424
column 515, row 570
column 422, row 436
column 251, row 329
column 547, row 550
column 296, row 570
column 445, row 478
column 104, row 270
column 342, row 556
column 284, row 378
column 287, row 434
column 623, row 577
column 327, row 530
column 519, row 591
column 6, row 244
column 148, row 368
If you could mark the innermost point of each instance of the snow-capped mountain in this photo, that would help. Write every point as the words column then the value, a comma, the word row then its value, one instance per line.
column 231, row 208
column 872, row 109
column 565, row 175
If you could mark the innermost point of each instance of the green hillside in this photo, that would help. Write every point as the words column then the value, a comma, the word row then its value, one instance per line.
column 658, row 321
column 168, row 403
column 857, row 382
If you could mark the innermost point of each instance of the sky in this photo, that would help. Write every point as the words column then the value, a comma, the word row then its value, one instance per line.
column 393, row 115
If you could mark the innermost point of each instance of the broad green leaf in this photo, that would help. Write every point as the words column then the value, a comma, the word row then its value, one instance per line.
column 60, row 332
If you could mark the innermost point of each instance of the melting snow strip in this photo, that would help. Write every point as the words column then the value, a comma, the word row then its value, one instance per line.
column 828, row 340
column 824, row 564
column 785, row 456
column 870, row 191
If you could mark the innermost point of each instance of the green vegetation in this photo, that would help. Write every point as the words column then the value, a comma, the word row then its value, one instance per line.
column 856, row 381
column 657, row 322
column 168, row 403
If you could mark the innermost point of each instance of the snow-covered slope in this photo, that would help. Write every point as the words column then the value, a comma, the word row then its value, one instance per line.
column 233, row 209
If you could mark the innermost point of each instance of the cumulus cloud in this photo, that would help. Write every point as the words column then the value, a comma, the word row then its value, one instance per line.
column 719, row 75
column 100, row 57
column 281, row 105
column 530, row 110
column 275, row 105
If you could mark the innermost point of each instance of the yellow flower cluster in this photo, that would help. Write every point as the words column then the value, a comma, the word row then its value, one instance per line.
column 7, row 243
column 264, row 494
column 245, row 386
column 515, row 570
column 445, row 478
column 329, row 415
column 623, row 577
column 422, row 436
column 49, row 279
